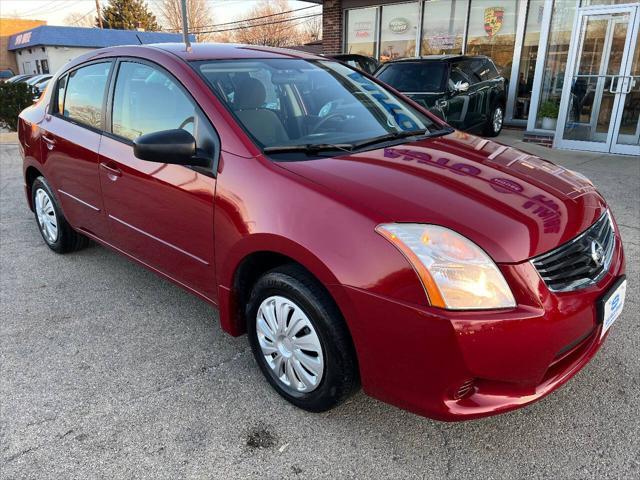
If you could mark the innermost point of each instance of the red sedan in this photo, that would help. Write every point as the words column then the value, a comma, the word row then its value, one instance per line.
column 352, row 235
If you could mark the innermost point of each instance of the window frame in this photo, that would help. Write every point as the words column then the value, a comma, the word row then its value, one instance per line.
column 53, row 103
column 108, row 113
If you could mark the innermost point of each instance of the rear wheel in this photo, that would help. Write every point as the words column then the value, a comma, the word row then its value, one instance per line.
column 53, row 226
column 300, row 340
column 495, row 121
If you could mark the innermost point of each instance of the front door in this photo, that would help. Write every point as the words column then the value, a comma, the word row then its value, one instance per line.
column 161, row 214
column 600, row 108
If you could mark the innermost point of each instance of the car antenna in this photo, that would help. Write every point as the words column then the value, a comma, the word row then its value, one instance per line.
column 139, row 39
column 185, row 25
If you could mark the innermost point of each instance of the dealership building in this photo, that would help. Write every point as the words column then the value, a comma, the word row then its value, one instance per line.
column 572, row 66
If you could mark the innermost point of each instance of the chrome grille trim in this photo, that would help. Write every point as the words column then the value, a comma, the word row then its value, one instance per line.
column 571, row 266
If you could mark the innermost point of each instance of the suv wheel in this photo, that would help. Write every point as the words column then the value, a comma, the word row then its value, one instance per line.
column 495, row 121
column 53, row 226
column 300, row 340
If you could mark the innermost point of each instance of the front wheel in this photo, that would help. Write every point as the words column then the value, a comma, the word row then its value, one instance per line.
column 300, row 340
column 495, row 121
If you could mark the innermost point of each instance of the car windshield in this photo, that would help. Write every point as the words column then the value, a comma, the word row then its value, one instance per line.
column 294, row 103
column 415, row 77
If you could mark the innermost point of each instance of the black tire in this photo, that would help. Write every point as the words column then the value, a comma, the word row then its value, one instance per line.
column 340, row 375
column 490, row 128
column 67, row 239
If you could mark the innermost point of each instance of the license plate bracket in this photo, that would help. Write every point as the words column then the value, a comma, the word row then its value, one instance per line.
column 610, row 305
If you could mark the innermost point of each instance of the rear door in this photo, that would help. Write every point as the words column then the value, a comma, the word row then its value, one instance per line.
column 477, row 70
column 161, row 214
column 71, row 135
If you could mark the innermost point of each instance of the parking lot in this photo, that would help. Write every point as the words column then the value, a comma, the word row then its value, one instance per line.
column 108, row 371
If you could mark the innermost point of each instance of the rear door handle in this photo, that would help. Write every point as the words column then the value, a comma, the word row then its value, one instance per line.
column 112, row 172
column 49, row 141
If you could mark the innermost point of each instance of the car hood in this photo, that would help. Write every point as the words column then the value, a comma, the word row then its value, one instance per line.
column 512, row 204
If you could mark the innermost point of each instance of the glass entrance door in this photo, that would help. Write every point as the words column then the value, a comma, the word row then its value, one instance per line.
column 599, row 110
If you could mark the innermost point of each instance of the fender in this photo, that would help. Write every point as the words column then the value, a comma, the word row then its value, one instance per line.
column 255, row 243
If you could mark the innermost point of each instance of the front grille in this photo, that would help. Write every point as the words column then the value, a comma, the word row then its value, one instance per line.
column 580, row 262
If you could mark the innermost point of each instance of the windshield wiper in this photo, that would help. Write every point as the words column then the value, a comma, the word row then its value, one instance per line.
column 390, row 136
column 441, row 132
column 309, row 148
column 350, row 147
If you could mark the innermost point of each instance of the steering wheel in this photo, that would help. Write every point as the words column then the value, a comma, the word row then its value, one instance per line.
column 327, row 119
column 187, row 121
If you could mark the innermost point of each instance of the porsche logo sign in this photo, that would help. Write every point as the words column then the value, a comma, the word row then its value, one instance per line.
column 493, row 18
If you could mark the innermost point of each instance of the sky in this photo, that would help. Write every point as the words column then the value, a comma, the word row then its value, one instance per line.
column 55, row 11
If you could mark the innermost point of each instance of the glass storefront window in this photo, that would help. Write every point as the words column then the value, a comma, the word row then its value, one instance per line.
column 492, row 31
column 528, row 59
column 362, row 31
column 555, row 63
column 443, row 23
column 591, row 3
column 399, row 31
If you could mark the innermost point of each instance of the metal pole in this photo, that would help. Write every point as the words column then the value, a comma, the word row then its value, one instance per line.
column 99, row 14
column 185, row 25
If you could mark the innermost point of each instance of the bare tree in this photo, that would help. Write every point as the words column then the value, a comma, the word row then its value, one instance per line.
column 75, row 19
column 273, row 31
column 198, row 15
column 311, row 30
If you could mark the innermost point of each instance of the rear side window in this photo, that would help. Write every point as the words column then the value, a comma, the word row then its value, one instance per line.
column 83, row 94
column 415, row 76
column 147, row 100
column 479, row 69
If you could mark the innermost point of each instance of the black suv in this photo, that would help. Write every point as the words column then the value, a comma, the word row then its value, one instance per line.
column 466, row 91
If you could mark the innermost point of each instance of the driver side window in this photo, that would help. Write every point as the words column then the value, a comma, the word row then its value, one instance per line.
column 456, row 76
column 146, row 100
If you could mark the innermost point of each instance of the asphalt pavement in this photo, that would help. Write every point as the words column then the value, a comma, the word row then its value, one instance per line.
column 108, row 371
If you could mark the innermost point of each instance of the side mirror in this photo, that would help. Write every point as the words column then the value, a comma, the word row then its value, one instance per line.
column 460, row 87
column 176, row 146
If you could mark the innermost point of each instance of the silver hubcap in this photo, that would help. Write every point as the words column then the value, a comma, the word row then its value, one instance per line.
column 46, row 214
column 290, row 344
column 497, row 119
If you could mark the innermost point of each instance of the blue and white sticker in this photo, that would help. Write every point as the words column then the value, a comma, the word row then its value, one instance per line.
column 613, row 307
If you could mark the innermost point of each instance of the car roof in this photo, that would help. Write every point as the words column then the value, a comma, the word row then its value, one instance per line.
column 222, row 51
column 437, row 58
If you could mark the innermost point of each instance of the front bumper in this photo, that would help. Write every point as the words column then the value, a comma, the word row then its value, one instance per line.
column 417, row 358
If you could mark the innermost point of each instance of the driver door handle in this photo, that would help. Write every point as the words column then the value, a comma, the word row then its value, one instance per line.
column 112, row 172
column 49, row 141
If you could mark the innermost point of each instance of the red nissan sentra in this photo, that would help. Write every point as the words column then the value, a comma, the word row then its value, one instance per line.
column 356, row 238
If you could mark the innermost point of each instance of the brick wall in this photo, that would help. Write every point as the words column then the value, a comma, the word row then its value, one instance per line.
column 9, row 26
column 332, row 26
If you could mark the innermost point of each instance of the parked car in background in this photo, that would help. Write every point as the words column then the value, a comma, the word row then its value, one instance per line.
column 361, row 62
column 37, row 79
column 40, row 87
column 465, row 91
column 353, row 236
column 5, row 75
column 19, row 78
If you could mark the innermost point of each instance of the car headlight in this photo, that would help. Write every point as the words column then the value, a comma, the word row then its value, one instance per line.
column 455, row 273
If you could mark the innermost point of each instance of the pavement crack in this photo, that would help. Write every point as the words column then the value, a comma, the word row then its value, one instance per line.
column 449, row 453
column 20, row 454
column 184, row 380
